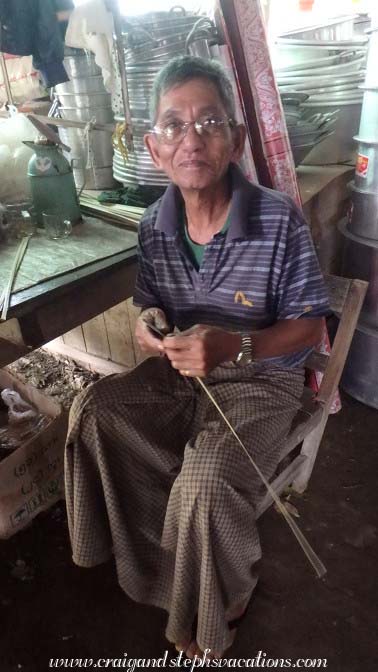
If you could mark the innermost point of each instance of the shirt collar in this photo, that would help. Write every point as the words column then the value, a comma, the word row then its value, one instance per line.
column 169, row 215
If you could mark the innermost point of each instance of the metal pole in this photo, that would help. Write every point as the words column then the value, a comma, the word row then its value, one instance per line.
column 114, row 8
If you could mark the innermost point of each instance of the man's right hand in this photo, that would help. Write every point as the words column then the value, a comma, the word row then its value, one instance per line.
column 149, row 342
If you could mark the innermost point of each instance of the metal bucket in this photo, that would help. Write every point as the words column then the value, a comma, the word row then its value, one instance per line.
column 80, row 100
column 81, row 66
column 100, row 144
column 363, row 213
column 94, row 178
column 360, row 377
column 360, row 260
column 103, row 115
column 91, row 84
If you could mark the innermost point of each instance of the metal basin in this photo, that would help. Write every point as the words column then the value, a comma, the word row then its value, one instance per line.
column 318, row 63
column 338, row 147
column 92, row 84
column 339, row 69
column 338, row 28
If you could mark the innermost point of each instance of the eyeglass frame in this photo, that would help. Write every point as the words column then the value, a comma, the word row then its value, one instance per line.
column 184, row 127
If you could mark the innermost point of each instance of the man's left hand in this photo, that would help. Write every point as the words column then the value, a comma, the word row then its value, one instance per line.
column 198, row 350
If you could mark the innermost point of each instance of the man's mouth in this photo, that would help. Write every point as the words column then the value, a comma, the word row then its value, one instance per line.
column 193, row 164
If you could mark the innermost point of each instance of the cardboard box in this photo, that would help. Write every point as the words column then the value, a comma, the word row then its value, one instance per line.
column 32, row 477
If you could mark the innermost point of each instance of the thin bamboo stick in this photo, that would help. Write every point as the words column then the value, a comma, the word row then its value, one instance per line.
column 12, row 275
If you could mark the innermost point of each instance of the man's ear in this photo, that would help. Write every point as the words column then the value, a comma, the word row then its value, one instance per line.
column 239, row 134
column 153, row 148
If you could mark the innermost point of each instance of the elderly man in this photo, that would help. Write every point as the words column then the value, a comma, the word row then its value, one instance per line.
column 228, row 271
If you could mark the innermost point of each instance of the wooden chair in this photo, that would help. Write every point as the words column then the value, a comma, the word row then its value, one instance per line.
column 346, row 298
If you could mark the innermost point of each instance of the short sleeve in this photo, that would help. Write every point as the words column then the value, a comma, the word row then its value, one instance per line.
column 301, row 288
column 145, row 293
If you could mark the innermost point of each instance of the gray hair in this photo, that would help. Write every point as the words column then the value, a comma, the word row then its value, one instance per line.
column 184, row 68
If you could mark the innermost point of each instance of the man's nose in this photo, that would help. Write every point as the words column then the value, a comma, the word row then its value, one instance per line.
column 192, row 138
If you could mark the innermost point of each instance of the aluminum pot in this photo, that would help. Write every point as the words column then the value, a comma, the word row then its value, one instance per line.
column 360, row 377
column 360, row 260
column 80, row 100
column 81, row 66
column 91, row 84
column 103, row 115
column 363, row 213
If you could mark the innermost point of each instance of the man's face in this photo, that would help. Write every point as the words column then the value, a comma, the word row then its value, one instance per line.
column 196, row 162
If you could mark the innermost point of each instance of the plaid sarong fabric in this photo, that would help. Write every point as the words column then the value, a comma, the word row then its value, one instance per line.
column 154, row 476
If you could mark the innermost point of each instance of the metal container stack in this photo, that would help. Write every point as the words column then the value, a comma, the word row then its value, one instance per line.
column 150, row 42
column 360, row 231
column 326, row 64
column 84, row 98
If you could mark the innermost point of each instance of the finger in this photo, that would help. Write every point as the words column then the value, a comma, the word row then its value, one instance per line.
column 177, row 342
column 192, row 373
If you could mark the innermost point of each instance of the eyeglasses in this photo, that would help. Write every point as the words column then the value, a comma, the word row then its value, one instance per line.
column 173, row 132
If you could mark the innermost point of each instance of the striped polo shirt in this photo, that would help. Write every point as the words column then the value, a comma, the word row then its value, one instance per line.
column 262, row 269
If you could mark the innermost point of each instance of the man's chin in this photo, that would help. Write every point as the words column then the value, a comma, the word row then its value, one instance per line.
column 195, row 182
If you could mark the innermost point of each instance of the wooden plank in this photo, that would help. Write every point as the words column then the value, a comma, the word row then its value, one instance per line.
column 77, row 305
column 133, row 316
column 102, row 366
column 96, row 337
column 338, row 289
column 342, row 341
column 75, row 339
column 25, row 301
column 317, row 361
column 12, row 345
column 120, row 339
column 10, row 351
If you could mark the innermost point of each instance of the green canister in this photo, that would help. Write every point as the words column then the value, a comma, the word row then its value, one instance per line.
column 51, row 180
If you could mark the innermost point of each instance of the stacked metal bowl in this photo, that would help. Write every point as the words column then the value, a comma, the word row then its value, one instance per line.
column 327, row 63
column 85, row 99
column 360, row 235
column 150, row 42
column 305, row 131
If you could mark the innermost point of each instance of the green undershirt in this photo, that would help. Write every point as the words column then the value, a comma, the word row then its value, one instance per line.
column 196, row 250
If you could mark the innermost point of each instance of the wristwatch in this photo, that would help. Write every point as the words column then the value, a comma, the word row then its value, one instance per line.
column 245, row 355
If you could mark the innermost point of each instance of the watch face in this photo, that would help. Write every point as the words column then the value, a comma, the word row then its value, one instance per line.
column 244, row 358
column 245, row 355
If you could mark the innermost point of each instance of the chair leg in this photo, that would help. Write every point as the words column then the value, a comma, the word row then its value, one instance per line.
column 310, row 448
